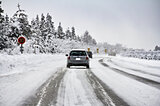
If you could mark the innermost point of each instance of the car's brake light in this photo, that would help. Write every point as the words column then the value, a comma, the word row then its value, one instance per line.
column 69, row 58
column 86, row 58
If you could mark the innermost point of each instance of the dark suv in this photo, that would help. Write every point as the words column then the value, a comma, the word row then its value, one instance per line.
column 89, row 54
column 77, row 57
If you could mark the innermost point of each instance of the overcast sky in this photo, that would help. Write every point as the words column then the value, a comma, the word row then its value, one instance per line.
column 133, row 23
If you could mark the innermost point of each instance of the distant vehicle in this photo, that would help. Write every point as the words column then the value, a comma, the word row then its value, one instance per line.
column 77, row 57
column 89, row 54
column 112, row 54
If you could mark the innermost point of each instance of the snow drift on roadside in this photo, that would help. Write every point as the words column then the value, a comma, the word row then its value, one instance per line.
column 22, row 75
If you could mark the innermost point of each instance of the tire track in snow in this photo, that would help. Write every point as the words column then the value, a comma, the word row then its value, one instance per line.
column 75, row 90
column 145, row 65
column 138, row 78
column 137, row 70
column 103, row 92
column 47, row 94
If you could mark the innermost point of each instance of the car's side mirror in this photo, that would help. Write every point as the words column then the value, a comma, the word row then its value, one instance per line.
column 66, row 54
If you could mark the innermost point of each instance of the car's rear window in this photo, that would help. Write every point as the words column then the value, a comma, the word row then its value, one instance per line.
column 77, row 53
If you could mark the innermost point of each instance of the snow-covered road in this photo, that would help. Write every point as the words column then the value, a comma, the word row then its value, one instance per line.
column 76, row 90
column 42, row 80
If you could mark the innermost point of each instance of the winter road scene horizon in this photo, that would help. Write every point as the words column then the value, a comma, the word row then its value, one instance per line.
column 79, row 53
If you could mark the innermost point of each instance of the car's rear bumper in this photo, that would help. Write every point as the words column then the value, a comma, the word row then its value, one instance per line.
column 78, row 63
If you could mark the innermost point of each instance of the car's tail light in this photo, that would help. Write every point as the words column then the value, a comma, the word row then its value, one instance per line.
column 86, row 58
column 69, row 58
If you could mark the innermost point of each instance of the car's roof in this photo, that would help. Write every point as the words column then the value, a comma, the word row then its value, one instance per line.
column 78, row 49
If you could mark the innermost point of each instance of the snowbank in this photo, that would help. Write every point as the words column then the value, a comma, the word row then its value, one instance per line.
column 22, row 75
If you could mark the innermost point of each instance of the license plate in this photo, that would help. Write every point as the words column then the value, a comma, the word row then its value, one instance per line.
column 78, row 59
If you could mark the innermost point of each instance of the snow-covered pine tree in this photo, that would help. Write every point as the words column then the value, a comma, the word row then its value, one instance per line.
column 68, row 34
column 157, row 48
column 42, row 22
column 35, row 29
column 94, row 42
column 79, row 38
column 85, row 37
column 60, row 33
column 42, row 27
column 2, row 36
column 43, row 34
column 1, row 11
column 73, row 35
column 35, row 23
column 50, row 33
column 7, row 31
column 20, row 24
column 36, row 32
column 50, row 24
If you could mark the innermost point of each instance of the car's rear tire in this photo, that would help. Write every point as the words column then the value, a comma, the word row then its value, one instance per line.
column 68, row 66
column 87, row 66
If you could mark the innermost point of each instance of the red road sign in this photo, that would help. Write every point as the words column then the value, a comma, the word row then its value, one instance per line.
column 21, row 40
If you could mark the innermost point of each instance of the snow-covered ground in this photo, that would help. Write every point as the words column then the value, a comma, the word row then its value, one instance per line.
column 135, row 81
column 22, row 75
column 132, row 91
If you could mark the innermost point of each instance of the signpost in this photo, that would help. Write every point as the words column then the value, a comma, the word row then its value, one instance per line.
column 21, row 41
column 88, row 49
column 105, row 50
column 97, row 50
